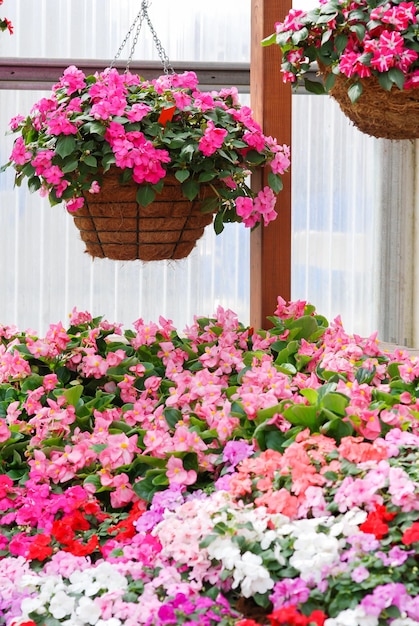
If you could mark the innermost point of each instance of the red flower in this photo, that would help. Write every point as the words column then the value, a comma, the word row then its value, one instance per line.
column 62, row 532
column 411, row 535
column 126, row 526
column 288, row 616
column 83, row 549
column 40, row 548
column 318, row 617
column 375, row 522
column 77, row 521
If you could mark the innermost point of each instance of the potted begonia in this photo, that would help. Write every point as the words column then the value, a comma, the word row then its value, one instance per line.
column 367, row 52
column 108, row 144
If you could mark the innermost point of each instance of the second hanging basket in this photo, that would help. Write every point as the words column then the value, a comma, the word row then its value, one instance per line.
column 379, row 113
column 113, row 225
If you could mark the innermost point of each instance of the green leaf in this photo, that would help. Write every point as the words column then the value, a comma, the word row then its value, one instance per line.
column 268, row 41
column 190, row 189
column 99, row 447
column 341, row 42
column 145, row 195
column 90, row 160
column 34, row 184
column 160, row 479
column 218, row 223
column 93, row 479
column 182, row 175
column 385, row 81
column 265, row 414
column 172, row 416
column 330, row 81
column 70, row 166
column 145, row 489
column 299, row 36
column 311, row 395
column 107, row 161
column 397, row 77
column 275, row 182
column 73, row 394
column 96, row 128
column 359, row 30
column 301, row 415
column 303, row 327
column 206, row 177
column 324, row 18
column 287, row 368
column 337, row 429
column 354, row 92
column 313, row 86
column 190, row 461
column 65, row 145
column 336, row 402
column 187, row 152
column 274, row 439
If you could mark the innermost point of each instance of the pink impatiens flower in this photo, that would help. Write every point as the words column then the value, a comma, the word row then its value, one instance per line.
column 212, row 140
column 19, row 153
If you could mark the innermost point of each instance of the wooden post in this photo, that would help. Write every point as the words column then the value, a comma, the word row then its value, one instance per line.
column 270, row 247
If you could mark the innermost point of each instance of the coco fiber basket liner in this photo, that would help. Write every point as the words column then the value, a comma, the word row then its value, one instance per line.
column 113, row 225
column 387, row 114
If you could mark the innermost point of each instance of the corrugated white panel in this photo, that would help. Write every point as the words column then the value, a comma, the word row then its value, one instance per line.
column 45, row 272
column 336, row 183
column 188, row 30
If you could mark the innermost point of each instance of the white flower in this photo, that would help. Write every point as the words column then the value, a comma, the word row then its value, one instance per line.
column 103, row 577
column 267, row 539
column 113, row 621
column 347, row 524
column 312, row 552
column 61, row 605
column 88, row 611
column 224, row 550
column 404, row 621
column 352, row 617
column 250, row 574
column 32, row 605
column 109, row 578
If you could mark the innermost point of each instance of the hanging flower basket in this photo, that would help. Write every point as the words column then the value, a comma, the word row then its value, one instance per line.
column 368, row 54
column 379, row 113
column 167, row 142
column 113, row 225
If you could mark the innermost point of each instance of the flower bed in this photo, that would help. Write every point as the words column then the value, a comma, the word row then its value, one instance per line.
column 215, row 476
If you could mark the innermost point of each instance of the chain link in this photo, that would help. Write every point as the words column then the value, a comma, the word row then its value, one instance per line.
column 137, row 24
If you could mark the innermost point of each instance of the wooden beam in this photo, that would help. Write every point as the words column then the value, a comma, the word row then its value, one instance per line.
column 270, row 249
column 18, row 73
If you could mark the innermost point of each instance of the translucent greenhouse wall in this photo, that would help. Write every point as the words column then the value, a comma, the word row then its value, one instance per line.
column 335, row 173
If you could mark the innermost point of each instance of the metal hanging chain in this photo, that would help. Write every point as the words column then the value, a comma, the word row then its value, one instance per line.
column 137, row 23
